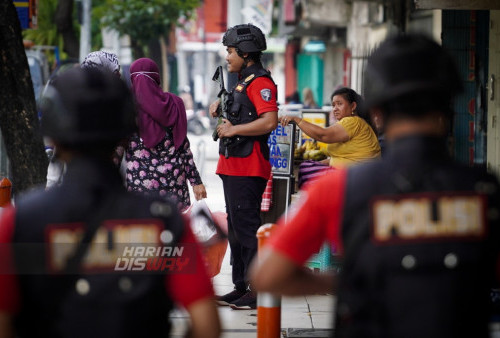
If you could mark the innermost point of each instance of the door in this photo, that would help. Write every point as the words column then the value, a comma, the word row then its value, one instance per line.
column 493, row 138
column 465, row 36
column 310, row 74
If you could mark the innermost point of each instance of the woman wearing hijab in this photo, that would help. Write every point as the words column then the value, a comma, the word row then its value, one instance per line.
column 100, row 60
column 103, row 61
column 159, row 158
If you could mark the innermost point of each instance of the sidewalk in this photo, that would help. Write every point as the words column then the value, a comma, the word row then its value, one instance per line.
column 306, row 312
column 308, row 316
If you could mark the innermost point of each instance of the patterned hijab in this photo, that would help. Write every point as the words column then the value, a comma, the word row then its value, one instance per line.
column 102, row 60
column 156, row 109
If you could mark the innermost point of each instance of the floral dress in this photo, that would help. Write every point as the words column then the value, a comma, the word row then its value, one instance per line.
column 161, row 170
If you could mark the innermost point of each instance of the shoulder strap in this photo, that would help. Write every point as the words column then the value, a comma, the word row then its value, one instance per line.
column 93, row 223
column 70, row 272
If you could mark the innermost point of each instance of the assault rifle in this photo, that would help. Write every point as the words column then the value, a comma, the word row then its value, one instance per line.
column 222, row 108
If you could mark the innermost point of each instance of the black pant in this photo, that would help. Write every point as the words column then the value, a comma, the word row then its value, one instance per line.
column 243, row 196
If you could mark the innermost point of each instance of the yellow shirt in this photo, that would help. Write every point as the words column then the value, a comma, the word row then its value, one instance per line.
column 362, row 145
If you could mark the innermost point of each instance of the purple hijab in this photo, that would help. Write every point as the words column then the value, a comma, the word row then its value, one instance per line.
column 156, row 109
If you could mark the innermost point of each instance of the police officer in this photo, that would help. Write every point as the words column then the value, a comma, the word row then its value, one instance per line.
column 92, row 278
column 244, row 154
column 418, row 232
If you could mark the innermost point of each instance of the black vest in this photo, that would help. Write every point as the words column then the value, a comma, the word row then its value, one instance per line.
column 241, row 111
column 110, row 304
column 400, row 283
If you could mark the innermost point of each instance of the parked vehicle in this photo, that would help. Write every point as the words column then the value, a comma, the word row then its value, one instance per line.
column 39, row 69
column 197, row 121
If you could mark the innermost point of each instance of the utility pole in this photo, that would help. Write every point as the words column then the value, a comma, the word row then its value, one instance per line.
column 85, row 29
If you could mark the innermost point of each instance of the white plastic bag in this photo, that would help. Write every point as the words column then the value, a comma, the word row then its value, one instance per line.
column 202, row 223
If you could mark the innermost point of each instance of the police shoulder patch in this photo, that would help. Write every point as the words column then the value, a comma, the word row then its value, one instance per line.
column 248, row 78
column 266, row 94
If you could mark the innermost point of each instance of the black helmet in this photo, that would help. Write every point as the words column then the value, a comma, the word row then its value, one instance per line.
column 408, row 64
column 86, row 107
column 247, row 38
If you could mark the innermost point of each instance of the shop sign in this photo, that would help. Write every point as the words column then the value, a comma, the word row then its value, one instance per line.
column 26, row 11
column 281, row 149
column 317, row 117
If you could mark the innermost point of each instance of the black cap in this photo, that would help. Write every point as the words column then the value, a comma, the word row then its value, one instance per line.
column 407, row 64
column 247, row 38
column 87, row 106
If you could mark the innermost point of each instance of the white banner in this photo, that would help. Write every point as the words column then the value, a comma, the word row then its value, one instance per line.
column 259, row 13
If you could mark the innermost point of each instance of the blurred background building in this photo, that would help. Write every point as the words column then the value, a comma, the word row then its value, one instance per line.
column 324, row 44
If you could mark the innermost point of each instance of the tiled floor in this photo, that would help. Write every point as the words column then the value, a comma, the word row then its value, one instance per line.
column 306, row 312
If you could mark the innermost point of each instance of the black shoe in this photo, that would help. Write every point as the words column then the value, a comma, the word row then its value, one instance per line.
column 247, row 302
column 230, row 297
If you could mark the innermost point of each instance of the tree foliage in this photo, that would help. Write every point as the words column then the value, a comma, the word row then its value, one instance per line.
column 65, row 26
column 46, row 34
column 144, row 20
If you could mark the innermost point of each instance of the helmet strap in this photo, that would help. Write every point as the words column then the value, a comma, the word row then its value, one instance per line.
column 245, row 59
column 245, row 64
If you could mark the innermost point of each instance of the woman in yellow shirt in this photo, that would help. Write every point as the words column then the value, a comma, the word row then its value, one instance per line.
column 351, row 139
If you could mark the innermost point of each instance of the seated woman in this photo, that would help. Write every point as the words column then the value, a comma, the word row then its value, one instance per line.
column 351, row 139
